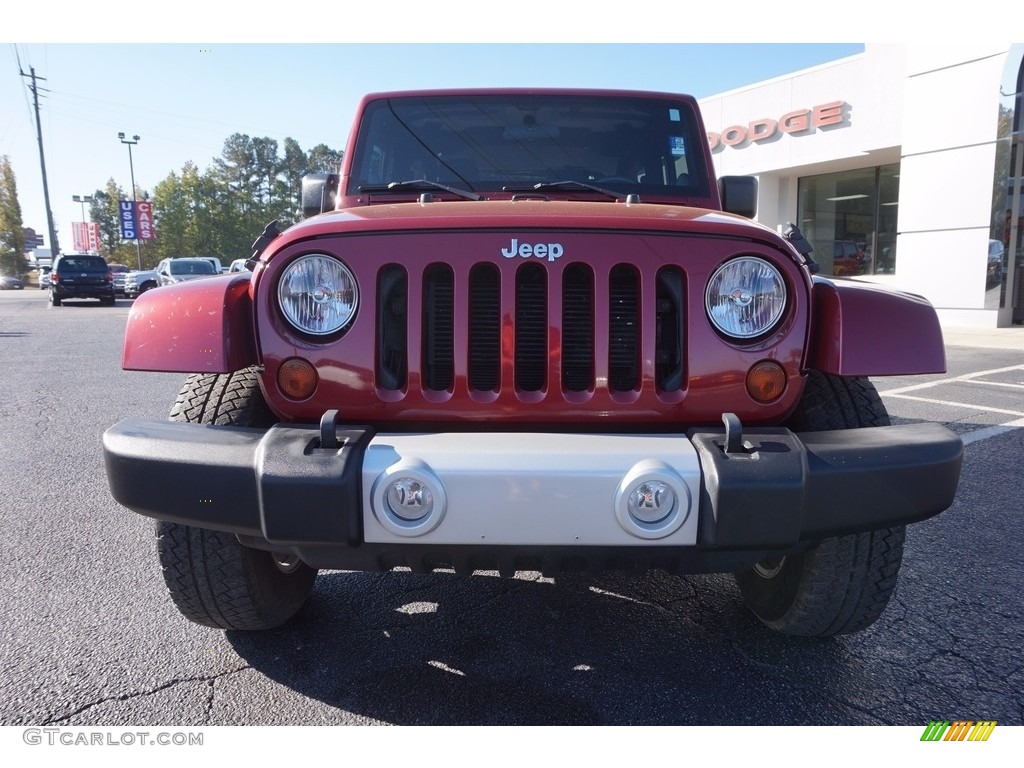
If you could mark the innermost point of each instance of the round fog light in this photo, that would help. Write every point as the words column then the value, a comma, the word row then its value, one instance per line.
column 652, row 501
column 408, row 499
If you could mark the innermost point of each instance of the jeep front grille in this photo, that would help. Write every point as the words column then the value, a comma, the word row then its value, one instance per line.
column 588, row 306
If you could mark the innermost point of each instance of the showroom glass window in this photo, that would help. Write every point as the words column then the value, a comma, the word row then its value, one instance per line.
column 850, row 219
column 1004, row 268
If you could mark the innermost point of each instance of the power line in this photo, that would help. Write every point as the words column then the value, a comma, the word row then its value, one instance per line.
column 131, row 108
column 17, row 57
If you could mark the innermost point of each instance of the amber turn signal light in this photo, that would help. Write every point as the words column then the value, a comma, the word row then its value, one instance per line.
column 766, row 381
column 297, row 378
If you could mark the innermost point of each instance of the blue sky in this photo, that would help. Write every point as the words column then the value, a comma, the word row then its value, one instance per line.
column 184, row 100
column 275, row 69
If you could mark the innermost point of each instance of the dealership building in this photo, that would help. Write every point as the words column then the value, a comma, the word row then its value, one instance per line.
column 902, row 165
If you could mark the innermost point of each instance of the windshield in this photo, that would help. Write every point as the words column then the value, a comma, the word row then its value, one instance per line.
column 192, row 268
column 511, row 142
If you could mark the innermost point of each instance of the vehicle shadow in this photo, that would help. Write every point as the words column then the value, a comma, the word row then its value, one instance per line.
column 610, row 649
column 86, row 303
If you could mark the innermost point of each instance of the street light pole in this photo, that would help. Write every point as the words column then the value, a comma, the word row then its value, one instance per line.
column 131, row 167
column 83, row 199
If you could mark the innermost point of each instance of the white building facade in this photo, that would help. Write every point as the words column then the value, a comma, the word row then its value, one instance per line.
column 901, row 165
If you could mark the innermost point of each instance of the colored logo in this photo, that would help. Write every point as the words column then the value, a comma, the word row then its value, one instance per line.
column 961, row 730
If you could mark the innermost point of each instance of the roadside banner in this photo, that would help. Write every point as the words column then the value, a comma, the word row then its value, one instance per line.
column 80, row 236
column 127, row 216
column 144, row 220
column 86, row 236
column 136, row 220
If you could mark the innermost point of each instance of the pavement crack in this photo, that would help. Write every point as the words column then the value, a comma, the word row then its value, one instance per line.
column 779, row 671
column 209, row 679
column 209, row 697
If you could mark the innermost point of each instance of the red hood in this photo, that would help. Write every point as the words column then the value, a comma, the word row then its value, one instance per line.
column 530, row 214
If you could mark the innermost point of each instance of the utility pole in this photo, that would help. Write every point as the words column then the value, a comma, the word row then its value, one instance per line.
column 54, row 245
column 131, row 167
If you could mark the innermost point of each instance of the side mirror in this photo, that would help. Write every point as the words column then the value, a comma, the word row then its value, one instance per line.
column 319, row 193
column 739, row 195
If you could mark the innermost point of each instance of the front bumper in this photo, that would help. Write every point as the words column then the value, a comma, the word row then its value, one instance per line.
column 532, row 499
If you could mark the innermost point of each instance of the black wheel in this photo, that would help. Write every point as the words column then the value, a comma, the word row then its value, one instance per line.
column 108, row 301
column 54, row 301
column 212, row 578
column 147, row 286
column 842, row 584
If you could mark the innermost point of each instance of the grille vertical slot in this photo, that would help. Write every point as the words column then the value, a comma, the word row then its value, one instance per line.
column 484, row 328
column 577, row 328
column 668, row 339
column 392, row 342
column 623, row 329
column 531, row 328
column 438, row 328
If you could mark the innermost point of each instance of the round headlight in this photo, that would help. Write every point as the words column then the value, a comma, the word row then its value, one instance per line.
column 745, row 297
column 318, row 295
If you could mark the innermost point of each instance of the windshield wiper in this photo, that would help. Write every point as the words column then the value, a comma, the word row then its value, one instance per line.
column 554, row 186
column 419, row 184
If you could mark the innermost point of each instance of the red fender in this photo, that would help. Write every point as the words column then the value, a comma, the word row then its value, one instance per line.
column 862, row 329
column 201, row 326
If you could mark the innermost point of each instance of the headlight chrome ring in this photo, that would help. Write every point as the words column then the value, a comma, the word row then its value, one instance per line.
column 318, row 295
column 745, row 297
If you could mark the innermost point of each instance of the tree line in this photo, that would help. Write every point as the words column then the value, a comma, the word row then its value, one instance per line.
column 12, row 235
column 219, row 211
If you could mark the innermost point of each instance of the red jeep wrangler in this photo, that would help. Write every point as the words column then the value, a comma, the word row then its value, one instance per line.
column 531, row 332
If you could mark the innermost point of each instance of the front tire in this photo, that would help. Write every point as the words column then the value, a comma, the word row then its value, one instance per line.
column 842, row 584
column 212, row 578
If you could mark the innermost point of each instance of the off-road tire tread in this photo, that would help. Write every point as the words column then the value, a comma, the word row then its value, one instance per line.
column 224, row 399
column 843, row 584
column 837, row 402
column 213, row 579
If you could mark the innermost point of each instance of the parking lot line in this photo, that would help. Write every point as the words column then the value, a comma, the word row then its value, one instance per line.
column 954, row 379
column 993, row 431
column 953, row 404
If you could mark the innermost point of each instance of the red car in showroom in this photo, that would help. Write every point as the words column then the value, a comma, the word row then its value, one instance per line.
column 530, row 330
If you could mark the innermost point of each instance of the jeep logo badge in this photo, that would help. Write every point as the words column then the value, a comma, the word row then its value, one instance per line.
column 549, row 251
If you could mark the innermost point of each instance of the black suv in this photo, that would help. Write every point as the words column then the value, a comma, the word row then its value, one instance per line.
column 81, row 276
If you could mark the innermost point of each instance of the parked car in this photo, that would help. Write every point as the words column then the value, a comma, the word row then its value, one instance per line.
column 238, row 265
column 489, row 347
column 173, row 271
column 119, row 271
column 10, row 283
column 81, row 276
column 139, row 281
column 44, row 277
column 217, row 265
